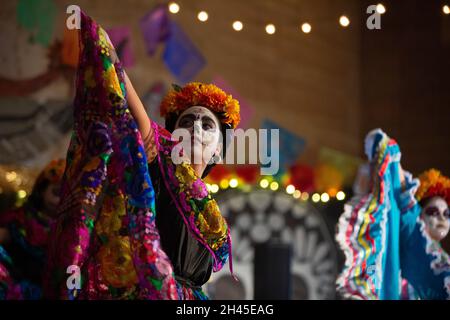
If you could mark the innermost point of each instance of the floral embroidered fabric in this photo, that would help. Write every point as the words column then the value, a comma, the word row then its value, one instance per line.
column 106, row 227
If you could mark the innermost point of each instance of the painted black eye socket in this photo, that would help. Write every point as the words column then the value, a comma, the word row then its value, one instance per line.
column 186, row 122
column 434, row 212
column 207, row 126
column 447, row 214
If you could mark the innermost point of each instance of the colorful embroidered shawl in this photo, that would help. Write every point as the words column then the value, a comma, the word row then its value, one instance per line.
column 106, row 180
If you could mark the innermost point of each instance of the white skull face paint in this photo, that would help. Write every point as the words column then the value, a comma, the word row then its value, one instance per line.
column 435, row 214
column 204, row 128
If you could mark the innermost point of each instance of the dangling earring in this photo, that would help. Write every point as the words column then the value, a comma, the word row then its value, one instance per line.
column 215, row 159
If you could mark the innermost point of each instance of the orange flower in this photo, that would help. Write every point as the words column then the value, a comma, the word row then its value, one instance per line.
column 205, row 95
column 433, row 184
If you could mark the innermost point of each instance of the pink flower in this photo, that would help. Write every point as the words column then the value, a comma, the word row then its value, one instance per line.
column 199, row 190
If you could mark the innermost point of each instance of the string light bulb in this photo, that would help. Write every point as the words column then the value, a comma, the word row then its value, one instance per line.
column 234, row 183
column 270, row 29
column 446, row 9
column 316, row 197
column 174, row 7
column 344, row 21
column 214, row 188
column 238, row 26
column 325, row 197
column 224, row 183
column 306, row 27
column 202, row 16
column 381, row 9
column 274, row 186
column 264, row 183
column 21, row 194
column 290, row 189
column 340, row 195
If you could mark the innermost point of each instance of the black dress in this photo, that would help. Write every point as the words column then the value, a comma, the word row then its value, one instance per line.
column 192, row 262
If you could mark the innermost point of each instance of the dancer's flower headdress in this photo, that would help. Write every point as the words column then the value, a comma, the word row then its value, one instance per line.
column 433, row 184
column 200, row 94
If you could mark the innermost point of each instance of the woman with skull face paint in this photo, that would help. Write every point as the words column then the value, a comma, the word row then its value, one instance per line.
column 132, row 237
column 433, row 196
column 24, row 237
column 193, row 232
column 384, row 234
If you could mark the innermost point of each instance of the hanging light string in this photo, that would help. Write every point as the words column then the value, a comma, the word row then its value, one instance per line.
column 269, row 183
column 296, row 20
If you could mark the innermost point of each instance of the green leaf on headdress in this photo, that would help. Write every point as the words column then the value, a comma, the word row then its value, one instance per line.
column 176, row 87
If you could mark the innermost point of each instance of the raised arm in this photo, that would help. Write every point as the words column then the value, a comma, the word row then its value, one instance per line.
column 137, row 109
column 135, row 105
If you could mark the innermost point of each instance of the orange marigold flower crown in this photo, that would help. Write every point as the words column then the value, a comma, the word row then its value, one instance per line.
column 205, row 95
column 433, row 184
